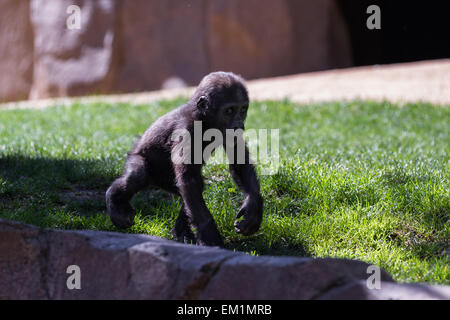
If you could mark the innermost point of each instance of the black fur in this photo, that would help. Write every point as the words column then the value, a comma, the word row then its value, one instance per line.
column 150, row 163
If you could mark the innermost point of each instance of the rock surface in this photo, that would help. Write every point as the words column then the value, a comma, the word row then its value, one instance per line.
column 16, row 50
column 137, row 45
column 161, row 40
column 287, row 36
column 73, row 61
column 34, row 262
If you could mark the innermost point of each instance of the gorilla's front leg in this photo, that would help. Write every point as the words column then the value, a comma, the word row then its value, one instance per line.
column 182, row 229
column 121, row 191
column 251, row 213
column 190, row 186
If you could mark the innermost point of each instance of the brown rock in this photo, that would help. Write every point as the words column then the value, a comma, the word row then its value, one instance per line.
column 252, row 38
column 16, row 50
column 33, row 265
column 283, row 277
column 127, row 46
column 73, row 61
column 388, row 291
column 21, row 251
column 161, row 40
column 258, row 38
column 103, row 265
column 177, row 271
column 321, row 36
column 122, row 266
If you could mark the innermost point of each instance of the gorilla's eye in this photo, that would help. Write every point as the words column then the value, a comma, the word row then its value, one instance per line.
column 229, row 111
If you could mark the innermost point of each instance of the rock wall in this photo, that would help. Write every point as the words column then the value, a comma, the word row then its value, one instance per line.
column 73, row 62
column 137, row 45
column 16, row 50
column 34, row 262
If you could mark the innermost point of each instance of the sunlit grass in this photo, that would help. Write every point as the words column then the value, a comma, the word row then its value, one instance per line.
column 360, row 180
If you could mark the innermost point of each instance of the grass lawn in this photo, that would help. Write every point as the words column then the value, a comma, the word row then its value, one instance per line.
column 360, row 180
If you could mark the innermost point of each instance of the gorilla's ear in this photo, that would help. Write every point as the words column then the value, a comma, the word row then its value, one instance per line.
column 202, row 103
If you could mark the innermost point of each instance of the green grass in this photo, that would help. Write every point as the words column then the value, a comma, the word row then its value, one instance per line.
column 360, row 180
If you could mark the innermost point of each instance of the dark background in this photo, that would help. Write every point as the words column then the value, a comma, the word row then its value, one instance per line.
column 410, row 31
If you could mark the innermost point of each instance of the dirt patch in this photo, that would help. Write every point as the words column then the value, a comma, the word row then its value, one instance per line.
column 423, row 246
column 82, row 195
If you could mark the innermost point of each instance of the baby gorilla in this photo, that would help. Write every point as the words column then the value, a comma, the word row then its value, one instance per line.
column 220, row 102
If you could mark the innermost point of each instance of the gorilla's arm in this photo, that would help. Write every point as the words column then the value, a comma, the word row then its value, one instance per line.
column 245, row 177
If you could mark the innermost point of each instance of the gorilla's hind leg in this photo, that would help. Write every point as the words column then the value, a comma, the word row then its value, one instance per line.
column 119, row 194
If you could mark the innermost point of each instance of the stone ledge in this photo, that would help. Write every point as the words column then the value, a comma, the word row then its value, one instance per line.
column 33, row 264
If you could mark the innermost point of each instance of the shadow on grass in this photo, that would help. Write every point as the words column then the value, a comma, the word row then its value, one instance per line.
column 40, row 174
column 258, row 246
column 69, row 194
column 52, row 192
column 77, row 186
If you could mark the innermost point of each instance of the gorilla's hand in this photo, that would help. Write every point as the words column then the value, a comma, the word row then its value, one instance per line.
column 251, row 214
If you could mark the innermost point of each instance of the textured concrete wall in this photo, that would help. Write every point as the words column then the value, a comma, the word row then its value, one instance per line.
column 138, row 45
